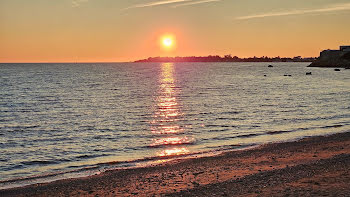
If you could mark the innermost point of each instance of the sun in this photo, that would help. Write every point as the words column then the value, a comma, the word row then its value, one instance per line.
column 168, row 42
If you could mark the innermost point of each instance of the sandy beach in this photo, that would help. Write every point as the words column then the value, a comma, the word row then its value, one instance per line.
column 316, row 166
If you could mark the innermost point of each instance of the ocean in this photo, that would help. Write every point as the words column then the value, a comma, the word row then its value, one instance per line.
column 62, row 121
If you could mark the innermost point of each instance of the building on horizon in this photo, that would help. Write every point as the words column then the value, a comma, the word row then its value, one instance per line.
column 334, row 58
column 345, row 48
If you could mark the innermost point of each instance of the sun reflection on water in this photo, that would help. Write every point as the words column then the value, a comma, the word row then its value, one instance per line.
column 173, row 152
column 165, row 124
column 172, row 141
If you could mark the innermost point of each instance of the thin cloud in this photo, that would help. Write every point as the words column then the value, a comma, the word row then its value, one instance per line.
column 332, row 8
column 156, row 3
column 195, row 2
column 76, row 3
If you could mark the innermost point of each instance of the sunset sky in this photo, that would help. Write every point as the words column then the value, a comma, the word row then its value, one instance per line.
column 127, row 30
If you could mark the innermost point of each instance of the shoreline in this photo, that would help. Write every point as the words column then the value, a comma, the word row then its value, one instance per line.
column 98, row 168
column 193, row 175
column 88, row 171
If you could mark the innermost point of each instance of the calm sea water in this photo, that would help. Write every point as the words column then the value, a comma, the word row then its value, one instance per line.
column 57, row 119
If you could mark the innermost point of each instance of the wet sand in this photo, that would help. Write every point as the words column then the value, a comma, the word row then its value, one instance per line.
column 315, row 166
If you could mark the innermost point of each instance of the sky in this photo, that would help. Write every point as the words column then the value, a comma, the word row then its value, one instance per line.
column 127, row 30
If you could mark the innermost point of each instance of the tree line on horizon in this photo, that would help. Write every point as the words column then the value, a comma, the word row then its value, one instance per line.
column 227, row 58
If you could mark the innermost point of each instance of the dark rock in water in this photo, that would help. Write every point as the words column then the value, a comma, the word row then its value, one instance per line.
column 336, row 69
column 270, row 66
column 308, row 73
column 289, row 75
column 333, row 58
column 264, row 75
column 285, row 75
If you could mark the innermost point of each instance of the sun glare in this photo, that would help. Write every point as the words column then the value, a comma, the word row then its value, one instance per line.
column 168, row 42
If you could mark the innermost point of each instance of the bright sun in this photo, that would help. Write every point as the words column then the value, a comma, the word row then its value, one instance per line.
column 168, row 42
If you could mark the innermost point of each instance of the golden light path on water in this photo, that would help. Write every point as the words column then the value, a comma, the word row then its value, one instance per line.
column 165, row 124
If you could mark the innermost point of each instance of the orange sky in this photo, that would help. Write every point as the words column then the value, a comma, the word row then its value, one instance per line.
column 111, row 30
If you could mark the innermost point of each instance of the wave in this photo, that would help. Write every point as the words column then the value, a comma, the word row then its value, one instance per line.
column 332, row 126
column 223, row 126
column 39, row 162
column 303, row 129
column 249, row 135
column 171, row 141
column 91, row 156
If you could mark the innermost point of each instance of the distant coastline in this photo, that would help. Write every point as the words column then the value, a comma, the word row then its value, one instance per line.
column 227, row 58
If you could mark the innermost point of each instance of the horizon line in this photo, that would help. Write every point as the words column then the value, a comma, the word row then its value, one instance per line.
column 75, row 62
column 132, row 61
column 136, row 61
